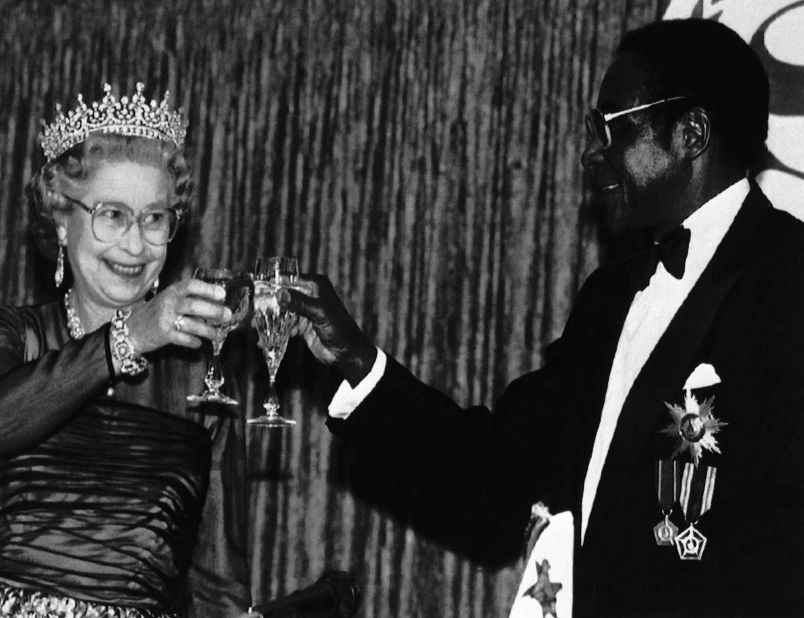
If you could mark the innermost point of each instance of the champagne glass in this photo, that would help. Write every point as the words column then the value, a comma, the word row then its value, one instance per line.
column 238, row 286
column 274, row 324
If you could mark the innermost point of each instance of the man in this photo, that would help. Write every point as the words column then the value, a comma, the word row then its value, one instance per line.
column 617, row 410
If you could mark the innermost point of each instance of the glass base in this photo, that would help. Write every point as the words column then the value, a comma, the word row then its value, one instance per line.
column 212, row 397
column 271, row 421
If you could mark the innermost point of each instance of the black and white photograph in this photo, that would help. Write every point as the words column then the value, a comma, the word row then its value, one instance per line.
column 401, row 308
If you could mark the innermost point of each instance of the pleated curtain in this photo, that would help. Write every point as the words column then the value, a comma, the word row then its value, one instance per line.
column 425, row 155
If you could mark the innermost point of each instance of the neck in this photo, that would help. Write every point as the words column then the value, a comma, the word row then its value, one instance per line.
column 705, row 183
column 92, row 315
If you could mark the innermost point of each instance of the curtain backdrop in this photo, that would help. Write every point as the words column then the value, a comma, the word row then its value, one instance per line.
column 423, row 154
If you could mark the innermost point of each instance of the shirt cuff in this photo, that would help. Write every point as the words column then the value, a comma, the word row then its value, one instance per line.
column 346, row 398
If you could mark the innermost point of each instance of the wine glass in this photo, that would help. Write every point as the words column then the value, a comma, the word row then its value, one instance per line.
column 238, row 286
column 274, row 324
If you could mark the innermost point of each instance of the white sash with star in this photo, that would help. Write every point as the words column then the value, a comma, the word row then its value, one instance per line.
column 546, row 586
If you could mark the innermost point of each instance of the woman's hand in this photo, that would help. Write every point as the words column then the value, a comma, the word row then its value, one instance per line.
column 178, row 315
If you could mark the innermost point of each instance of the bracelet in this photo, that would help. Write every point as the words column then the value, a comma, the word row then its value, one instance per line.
column 131, row 363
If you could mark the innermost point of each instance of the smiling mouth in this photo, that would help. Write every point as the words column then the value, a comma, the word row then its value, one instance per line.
column 610, row 187
column 125, row 271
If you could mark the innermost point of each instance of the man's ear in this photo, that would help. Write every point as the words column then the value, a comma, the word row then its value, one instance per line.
column 696, row 128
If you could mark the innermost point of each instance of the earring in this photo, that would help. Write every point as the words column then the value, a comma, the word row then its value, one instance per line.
column 154, row 289
column 59, row 275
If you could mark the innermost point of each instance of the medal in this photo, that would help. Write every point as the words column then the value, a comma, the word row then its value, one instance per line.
column 545, row 591
column 667, row 491
column 697, row 488
column 665, row 532
column 694, row 427
column 690, row 544
column 544, row 542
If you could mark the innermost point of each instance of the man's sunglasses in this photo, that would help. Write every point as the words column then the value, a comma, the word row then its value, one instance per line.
column 597, row 123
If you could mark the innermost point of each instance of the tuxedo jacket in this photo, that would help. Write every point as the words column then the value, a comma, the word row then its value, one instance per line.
column 467, row 476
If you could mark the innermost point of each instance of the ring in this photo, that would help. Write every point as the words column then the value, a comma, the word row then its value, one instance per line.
column 178, row 323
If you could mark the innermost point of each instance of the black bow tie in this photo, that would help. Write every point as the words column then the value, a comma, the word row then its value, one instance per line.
column 671, row 251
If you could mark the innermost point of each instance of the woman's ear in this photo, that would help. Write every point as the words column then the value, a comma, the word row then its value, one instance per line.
column 61, row 221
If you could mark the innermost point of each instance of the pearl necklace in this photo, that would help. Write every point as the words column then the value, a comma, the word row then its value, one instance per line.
column 73, row 321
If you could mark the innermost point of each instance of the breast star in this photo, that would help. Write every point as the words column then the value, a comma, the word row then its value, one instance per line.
column 544, row 591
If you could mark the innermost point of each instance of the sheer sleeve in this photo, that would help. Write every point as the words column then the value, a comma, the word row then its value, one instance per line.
column 53, row 404
column 218, row 581
column 42, row 386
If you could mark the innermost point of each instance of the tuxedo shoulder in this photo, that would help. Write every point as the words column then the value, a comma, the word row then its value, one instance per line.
column 786, row 222
column 523, row 385
column 786, row 239
column 526, row 388
column 601, row 281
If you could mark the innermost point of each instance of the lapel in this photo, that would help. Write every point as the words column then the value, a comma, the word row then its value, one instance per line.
column 672, row 359
column 603, row 320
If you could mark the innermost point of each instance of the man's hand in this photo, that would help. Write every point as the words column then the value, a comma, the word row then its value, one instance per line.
column 329, row 331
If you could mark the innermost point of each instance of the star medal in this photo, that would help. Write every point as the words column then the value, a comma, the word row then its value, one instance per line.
column 697, row 488
column 694, row 427
column 667, row 489
column 545, row 591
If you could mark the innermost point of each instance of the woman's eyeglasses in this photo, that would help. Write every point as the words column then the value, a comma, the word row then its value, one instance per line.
column 597, row 123
column 111, row 221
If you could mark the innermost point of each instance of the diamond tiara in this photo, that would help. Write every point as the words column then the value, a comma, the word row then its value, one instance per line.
column 128, row 116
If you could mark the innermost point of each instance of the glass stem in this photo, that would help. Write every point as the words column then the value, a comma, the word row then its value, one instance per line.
column 214, row 378
column 217, row 343
column 271, row 403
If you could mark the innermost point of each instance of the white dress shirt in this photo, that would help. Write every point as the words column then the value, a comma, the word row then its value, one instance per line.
column 649, row 316
column 346, row 398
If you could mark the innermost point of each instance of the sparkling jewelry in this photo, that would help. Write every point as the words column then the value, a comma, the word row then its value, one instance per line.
column 76, row 329
column 59, row 274
column 73, row 321
column 123, row 350
column 132, row 116
column 178, row 323
column 35, row 604
column 153, row 290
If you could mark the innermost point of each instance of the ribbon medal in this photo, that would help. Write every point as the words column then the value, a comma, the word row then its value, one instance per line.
column 697, row 487
column 667, row 489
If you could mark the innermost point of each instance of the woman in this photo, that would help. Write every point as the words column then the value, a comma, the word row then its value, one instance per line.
column 115, row 498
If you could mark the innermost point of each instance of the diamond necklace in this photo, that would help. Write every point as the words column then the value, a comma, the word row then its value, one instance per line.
column 77, row 330
column 73, row 321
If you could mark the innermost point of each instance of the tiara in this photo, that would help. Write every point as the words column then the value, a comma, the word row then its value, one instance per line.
column 128, row 116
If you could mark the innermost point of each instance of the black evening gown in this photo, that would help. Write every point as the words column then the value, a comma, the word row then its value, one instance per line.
column 128, row 498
